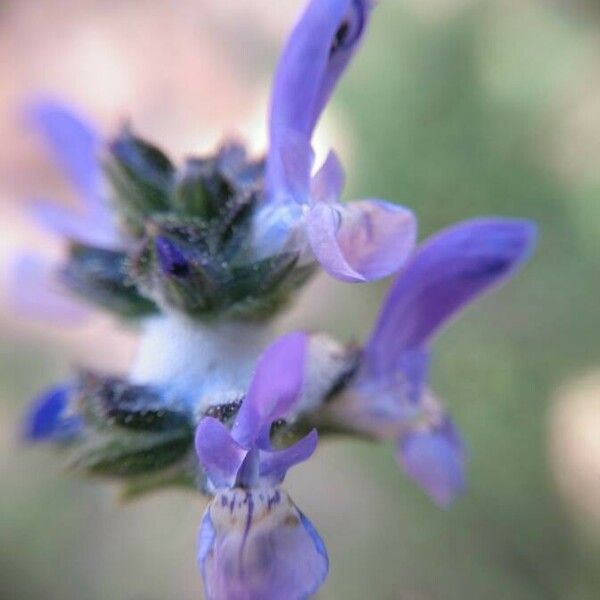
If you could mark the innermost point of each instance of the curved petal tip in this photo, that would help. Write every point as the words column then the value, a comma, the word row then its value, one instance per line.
column 361, row 241
column 435, row 461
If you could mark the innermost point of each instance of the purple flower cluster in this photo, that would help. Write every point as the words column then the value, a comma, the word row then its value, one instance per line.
column 247, row 549
column 250, row 556
column 254, row 543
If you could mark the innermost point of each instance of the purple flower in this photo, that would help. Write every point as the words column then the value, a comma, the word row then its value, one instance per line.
column 48, row 418
column 74, row 145
column 254, row 543
column 361, row 241
column 389, row 397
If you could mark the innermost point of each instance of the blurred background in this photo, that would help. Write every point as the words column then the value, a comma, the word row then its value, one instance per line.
column 455, row 108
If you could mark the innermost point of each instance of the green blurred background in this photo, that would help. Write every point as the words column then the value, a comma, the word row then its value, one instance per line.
column 455, row 108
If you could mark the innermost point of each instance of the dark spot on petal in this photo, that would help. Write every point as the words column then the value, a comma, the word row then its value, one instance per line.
column 340, row 37
column 489, row 267
column 350, row 29
column 291, row 521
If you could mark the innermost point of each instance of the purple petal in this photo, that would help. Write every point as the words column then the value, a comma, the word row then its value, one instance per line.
column 288, row 168
column 275, row 387
column 318, row 50
column 89, row 227
column 218, row 453
column 274, row 465
column 447, row 273
column 46, row 419
column 35, row 290
column 206, row 541
column 435, row 460
column 316, row 54
column 414, row 367
column 75, row 146
column 361, row 241
column 328, row 182
column 257, row 544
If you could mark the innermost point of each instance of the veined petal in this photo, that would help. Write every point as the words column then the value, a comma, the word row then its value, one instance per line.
column 275, row 387
column 47, row 420
column 74, row 144
column 328, row 182
column 275, row 464
column 361, row 241
column 435, row 459
column 218, row 452
column 256, row 544
column 446, row 274
column 35, row 290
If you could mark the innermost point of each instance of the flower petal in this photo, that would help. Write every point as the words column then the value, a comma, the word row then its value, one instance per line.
column 218, row 452
column 92, row 228
column 274, row 465
column 74, row 144
column 206, row 541
column 328, row 182
column 435, row 460
column 318, row 50
column 35, row 290
column 46, row 419
column 288, row 168
column 447, row 273
column 257, row 544
column 361, row 241
column 275, row 387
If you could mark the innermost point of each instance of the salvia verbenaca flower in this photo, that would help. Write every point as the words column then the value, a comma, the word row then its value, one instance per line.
column 201, row 257
column 361, row 241
column 73, row 145
column 254, row 542
column 388, row 396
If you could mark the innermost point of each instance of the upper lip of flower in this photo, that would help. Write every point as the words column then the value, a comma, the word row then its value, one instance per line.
column 244, row 456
